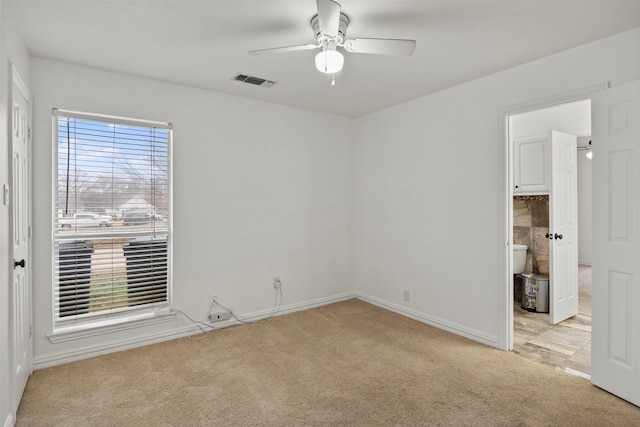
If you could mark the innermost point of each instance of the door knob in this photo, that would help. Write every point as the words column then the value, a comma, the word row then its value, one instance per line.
column 558, row 236
column 18, row 263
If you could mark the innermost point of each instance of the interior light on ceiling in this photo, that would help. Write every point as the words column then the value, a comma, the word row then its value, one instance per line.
column 329, row 61
column 589, row 154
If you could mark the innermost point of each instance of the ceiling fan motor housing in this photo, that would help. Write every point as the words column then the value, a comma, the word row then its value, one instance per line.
column 329, row 27
column 342, row 29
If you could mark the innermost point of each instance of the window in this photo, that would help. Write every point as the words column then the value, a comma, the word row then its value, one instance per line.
column 111, row 207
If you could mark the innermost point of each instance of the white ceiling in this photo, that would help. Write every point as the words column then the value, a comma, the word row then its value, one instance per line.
column 204, row 43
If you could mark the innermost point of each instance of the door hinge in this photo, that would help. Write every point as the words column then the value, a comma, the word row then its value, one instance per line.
column 29, row 133
column 29, row 232
column 30, row 331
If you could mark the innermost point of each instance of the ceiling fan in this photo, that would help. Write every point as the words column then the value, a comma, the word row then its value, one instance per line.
column 330, row 29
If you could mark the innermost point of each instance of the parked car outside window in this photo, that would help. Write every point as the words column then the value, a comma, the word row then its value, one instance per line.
column 85, row 219
column 133, row 218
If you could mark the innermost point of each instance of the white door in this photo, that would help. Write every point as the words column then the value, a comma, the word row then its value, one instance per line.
column 21, row 331
column 615, row 346
column 563, row 228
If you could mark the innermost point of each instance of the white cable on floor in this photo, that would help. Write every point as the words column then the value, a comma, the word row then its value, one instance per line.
column 210, row 328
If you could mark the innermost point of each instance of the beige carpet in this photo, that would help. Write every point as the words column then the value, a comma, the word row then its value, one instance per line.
column 347, row 364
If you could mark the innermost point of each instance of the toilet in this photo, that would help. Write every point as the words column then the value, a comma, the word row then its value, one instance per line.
column 519, row 258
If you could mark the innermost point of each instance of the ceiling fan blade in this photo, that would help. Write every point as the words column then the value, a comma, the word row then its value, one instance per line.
column 328, row 17
column 284, row 49
column 381, row 46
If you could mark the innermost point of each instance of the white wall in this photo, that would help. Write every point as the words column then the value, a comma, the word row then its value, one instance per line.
column 12, row 50
column 259, row 190
column 584, row 204
column 431, row 189
column 571, row 117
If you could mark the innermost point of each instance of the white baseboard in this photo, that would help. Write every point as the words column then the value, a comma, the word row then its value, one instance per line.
column 9, row 422
column 291, row 308
column 469, row 333
column 41, row 362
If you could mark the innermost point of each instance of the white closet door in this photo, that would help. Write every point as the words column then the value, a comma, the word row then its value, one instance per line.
column 615, row 354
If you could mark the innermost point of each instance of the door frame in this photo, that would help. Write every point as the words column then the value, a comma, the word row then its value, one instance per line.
column 505, row 333
column 17, row 80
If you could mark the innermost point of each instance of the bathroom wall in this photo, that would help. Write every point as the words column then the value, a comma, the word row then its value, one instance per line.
column 573, row 118
column 530, row 225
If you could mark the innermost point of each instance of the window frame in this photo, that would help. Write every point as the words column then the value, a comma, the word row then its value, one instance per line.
column 112, row 319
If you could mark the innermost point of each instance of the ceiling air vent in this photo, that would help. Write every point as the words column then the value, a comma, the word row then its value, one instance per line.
column 254, row 80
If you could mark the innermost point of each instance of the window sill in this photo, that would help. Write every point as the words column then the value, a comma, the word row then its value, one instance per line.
column 107, row 326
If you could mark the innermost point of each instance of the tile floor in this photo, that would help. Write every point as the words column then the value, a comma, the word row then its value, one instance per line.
column 565, row 346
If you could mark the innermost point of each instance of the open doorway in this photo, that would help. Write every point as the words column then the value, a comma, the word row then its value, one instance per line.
column 567, row 344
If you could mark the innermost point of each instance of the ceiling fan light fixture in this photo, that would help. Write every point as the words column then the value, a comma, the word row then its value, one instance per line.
column 329, row 61
column 329, row 27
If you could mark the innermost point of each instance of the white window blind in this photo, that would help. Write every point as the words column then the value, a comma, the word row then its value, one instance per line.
column 111, row 207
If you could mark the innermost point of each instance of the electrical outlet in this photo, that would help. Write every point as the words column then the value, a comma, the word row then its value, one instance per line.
column 406, row 295
column 219, row 314
column 276, row 282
